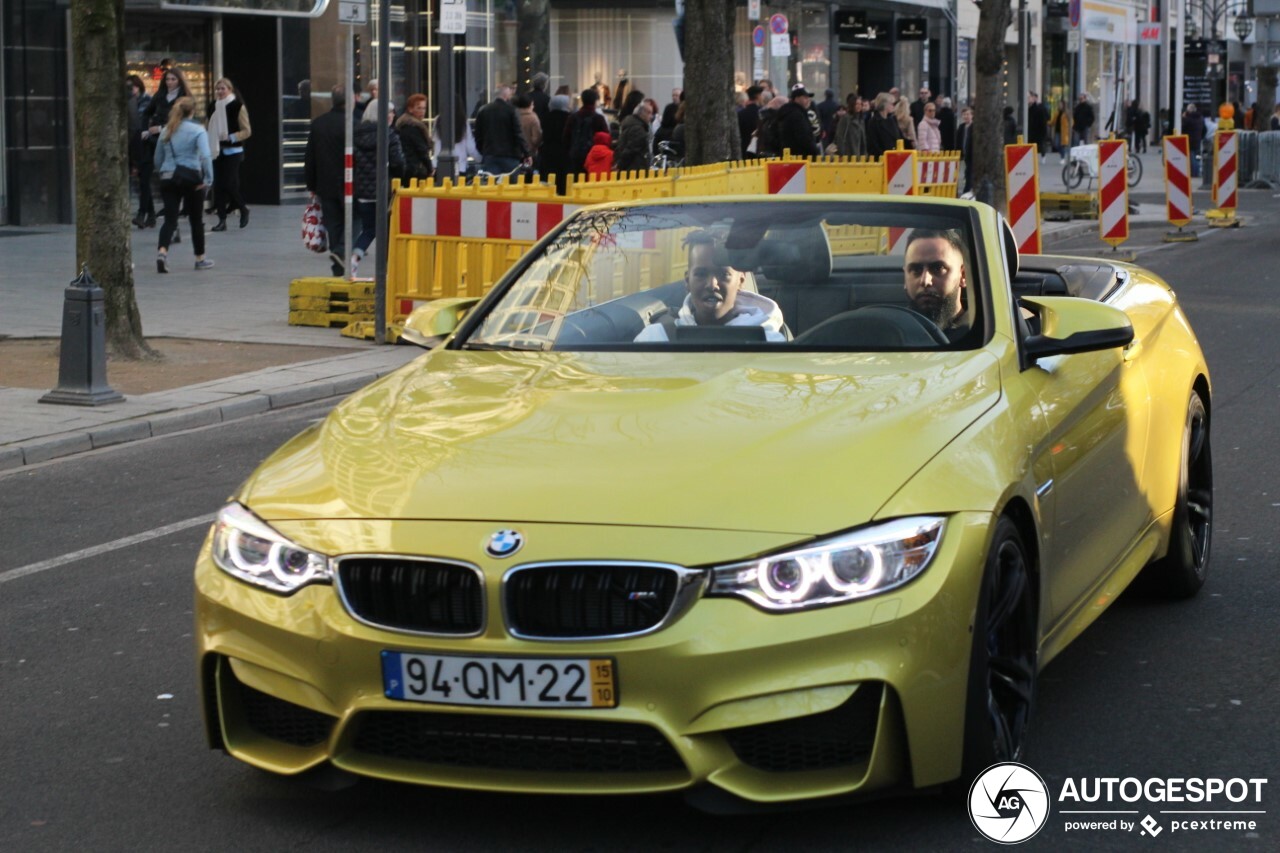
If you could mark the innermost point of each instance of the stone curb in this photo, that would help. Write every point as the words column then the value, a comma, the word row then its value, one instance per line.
column 45, row 448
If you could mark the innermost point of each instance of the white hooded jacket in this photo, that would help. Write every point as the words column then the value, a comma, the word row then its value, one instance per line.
column 753, row 310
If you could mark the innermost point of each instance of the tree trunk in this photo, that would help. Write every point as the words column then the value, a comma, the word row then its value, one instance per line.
column 994, row 17
column 102, row 168
column 711, row 122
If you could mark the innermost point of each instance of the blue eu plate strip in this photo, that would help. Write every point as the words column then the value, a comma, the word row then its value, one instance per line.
column 392, row 683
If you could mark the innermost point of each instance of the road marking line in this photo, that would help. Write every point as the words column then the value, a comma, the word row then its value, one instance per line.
column 74, row 556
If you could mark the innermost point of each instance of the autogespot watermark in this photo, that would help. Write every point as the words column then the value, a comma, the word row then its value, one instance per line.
column 1009, row 803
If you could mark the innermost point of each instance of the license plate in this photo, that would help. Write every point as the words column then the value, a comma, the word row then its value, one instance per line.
column 500, row 682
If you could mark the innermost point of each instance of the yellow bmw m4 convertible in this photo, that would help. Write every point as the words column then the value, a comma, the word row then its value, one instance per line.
column 756, row 499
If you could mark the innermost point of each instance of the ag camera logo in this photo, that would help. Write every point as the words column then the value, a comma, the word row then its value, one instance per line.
column 1008, row 803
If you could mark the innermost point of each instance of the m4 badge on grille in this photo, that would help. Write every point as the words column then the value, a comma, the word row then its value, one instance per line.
column 504, row 543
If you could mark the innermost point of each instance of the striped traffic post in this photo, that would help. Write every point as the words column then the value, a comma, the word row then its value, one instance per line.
column 1022, row 177
column 1225, row 179
column 1113, row 191
column 1177, row 187
column 899, row 179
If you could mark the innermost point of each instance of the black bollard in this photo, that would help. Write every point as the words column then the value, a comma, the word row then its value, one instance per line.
column 82, row 364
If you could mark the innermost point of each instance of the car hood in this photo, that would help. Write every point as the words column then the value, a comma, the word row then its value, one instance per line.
column 798, row 443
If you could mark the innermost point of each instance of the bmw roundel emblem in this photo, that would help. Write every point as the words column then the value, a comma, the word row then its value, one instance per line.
column 504, row 543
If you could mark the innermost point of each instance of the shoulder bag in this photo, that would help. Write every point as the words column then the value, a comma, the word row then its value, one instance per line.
column 182, row 178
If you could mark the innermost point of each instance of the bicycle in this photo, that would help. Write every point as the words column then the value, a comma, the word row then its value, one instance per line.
column 1082, row 163
column 667, row 156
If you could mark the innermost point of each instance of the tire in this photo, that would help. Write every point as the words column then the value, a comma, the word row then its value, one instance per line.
column 1134, row 167
column 1072, row 174
column 1003, row 660
column 1181, row 571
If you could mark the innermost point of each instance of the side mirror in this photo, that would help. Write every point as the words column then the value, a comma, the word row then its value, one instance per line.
column 1070, row 324
column 431, row 323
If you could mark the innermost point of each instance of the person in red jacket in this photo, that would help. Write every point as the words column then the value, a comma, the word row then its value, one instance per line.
column 600, row 157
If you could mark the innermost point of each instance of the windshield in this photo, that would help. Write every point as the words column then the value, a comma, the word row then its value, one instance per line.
column 824, row 274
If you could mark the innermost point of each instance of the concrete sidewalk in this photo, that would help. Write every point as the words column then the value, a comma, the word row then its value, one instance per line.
column 243, row 298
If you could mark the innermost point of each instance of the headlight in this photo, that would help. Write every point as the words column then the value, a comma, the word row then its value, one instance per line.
column 246, row 547
column 846, row 568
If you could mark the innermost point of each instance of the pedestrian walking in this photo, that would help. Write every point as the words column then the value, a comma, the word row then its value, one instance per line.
column 600, row 157
column 1009, row 126
column 140, row 150
column 366, row 178
column 929, row 131
column 553, row 158
column 1037, row 124
column 795, row 133
column 155, row 118
column 1060, row 129
column 768, row 137
column 324, row 173
column 883, row 131
column 530, row 126
column 906, row 125
column 498, row 136
column 1082, row 119
column 633, row 152
column 1141, row 128
column 228, row 129
column 185, row 168
column 851, row 129
column 541, row 100
column 749, row 119
column 1194, row 126
column 581, row 129
column 415, row 138
column 917, row 106
column 466, row 155
column 964, row 144
column 826, row 111
column 947, row 124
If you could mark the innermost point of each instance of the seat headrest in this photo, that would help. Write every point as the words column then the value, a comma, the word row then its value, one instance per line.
column 795, row 254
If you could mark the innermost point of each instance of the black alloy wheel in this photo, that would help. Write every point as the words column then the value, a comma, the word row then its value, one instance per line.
column 1003, row 663
column 1181, row 572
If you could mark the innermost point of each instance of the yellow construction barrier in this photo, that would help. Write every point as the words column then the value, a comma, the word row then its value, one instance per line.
column 457, row 240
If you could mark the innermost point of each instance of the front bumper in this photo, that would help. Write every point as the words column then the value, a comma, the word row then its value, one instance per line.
column 767, row 707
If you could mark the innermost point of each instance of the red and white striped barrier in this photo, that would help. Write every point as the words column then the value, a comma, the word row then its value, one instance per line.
column 480, row 219
column 787, row 178
column 899, row 179
column 1177, row 180
column 1022, row 178
column 1224, row 169
column 938, row 171
column 1113, row 191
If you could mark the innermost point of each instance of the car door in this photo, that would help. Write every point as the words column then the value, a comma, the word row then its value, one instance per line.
column 1094, row 406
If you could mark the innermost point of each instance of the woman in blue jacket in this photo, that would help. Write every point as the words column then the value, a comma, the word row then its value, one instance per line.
column 183, row 142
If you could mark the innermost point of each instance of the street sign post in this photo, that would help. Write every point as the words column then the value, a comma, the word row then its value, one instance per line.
column 353, row 12
column 453, row 16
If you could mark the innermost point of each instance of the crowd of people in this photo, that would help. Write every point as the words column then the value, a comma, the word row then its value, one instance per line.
column 193, row 159
column 547, row 134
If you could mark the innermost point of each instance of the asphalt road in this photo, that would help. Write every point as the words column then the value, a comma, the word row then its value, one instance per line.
column 100, row 737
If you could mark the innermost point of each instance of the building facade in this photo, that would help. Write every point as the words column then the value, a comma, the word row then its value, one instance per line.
column 286, row 56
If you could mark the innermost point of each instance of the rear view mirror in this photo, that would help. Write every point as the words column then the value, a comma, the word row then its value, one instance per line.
column 1068, row 324
column 431, row 323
